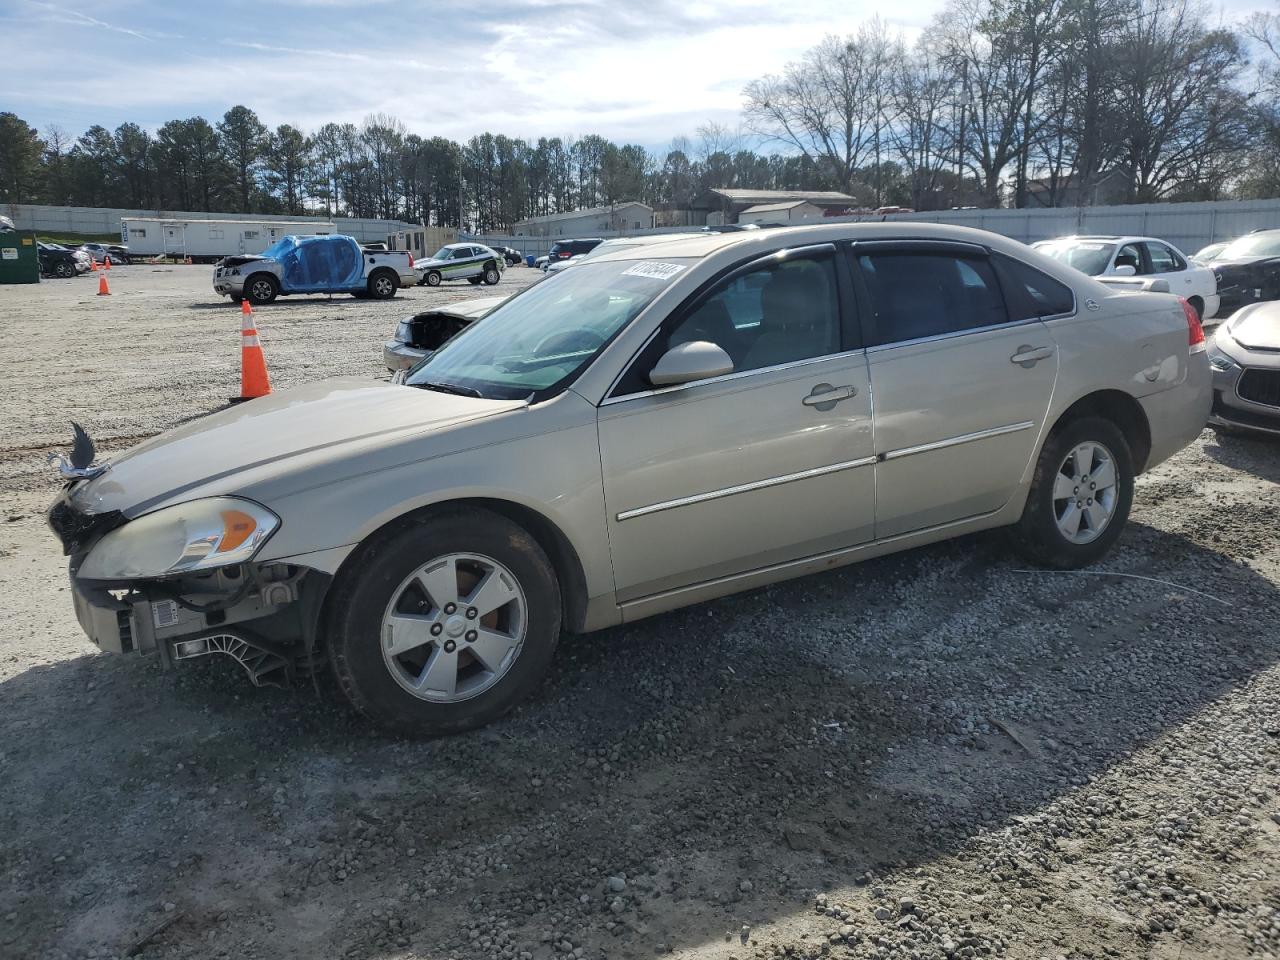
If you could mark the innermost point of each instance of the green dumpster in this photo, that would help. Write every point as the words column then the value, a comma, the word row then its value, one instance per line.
column 19, row 257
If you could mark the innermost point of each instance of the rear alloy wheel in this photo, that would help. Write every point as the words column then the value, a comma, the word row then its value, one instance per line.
column 1080, row 495
column 444, row 624
column 491, row 275
column 382, row 285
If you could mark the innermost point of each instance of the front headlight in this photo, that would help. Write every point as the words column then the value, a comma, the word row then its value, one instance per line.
column 403, row 332
column 199, row 535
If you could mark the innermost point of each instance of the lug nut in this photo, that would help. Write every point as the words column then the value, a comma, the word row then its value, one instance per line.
column 450, row 607
column 472, row 613
column 1093, row 486
column 1091, row 501
column 436, row 629
column 450, row 646
column 1076, row 490
column 471, row 636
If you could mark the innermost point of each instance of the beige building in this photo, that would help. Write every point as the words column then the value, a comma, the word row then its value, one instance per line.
column 788, row 212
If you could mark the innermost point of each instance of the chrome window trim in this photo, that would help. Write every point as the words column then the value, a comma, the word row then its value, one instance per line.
column 744, row 488
column 964, row 333
column 956, row 441
column 736, row 375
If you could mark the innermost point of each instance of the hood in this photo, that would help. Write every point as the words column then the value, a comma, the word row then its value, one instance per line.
column 1257, row 327
column 289, row 431
column 430, row 262
column 1241, row 265
column 240, row 260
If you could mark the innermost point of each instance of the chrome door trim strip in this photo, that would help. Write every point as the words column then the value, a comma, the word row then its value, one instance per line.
column 745, row 488
column 956, row 441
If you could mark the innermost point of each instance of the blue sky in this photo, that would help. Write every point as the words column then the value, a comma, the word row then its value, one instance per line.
column 634, row 71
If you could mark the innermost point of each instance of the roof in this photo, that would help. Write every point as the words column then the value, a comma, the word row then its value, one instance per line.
column 589, row 212
column 817, row 197
column 768, row 207
column 266, row 223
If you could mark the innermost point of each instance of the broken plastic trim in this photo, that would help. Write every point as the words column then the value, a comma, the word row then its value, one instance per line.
column 266, row 665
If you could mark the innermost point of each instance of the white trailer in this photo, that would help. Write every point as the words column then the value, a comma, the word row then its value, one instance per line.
column 210, row 239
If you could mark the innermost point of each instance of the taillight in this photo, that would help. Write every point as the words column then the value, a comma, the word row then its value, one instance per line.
column 1195, row 332
column 411, row 261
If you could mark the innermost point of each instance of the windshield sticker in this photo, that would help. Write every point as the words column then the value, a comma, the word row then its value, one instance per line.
column 653, row 270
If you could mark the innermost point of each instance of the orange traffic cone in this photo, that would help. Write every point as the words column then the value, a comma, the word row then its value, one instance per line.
column 106, row 263
column 253, row 365
column 103, row 291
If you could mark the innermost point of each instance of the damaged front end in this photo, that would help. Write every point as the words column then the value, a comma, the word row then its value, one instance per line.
column 182, row 583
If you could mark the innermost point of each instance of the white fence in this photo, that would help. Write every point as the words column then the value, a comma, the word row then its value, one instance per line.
column 1188, row 226
column 106, row 220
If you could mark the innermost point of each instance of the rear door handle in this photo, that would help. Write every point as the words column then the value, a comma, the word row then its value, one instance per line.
column 1029, row 356
column 824, row 396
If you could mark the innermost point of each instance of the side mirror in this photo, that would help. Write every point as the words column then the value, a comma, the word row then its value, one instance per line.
column 1124, row 270
column 686, row 362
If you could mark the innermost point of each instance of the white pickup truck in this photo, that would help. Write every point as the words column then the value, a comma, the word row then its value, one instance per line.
column 326, row 264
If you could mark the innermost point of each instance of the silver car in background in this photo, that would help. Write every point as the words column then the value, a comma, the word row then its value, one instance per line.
column 1245, row 356
column 651, row 429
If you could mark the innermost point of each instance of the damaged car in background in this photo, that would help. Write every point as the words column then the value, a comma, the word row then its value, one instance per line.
column 419, row 336
column 1245, row 356
column 581, row 458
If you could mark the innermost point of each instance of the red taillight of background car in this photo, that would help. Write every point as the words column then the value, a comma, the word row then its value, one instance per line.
column 1195, row 332
column 411, row 261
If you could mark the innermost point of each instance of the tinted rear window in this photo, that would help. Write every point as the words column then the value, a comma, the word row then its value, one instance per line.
column 917, row 294
column 1033, row 293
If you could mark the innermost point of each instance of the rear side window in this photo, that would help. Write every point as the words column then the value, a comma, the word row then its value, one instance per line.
column 1163, row 259
column 923, row 294
column 1032, row 293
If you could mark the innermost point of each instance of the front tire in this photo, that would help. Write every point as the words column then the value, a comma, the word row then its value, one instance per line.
column 261, row 288
column 491, row 274
column 1080, row 495
column 64, row 270
column 444, row 623
column 432, row 279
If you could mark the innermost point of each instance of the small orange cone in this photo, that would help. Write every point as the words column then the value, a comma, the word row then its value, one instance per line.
column 253, row 365
column 103, row 291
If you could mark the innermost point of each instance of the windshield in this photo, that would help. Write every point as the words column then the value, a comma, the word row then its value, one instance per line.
column 278, row 249
column 1254, row 245
column 545, row 335
column 442, row 254
column 1087, row 256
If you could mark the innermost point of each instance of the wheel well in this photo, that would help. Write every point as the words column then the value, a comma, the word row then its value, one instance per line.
column 1122, row 410
column 386, row 270
column 259, row 273
column 564, row 558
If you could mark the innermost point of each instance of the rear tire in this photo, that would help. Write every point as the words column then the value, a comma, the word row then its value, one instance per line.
column 1083, row 481
column 383, row 284
column 383, row 598
column 261, row 288
column 474, row 281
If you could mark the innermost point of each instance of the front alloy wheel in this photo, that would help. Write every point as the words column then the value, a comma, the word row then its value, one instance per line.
column 444, row 622
column 454, row 627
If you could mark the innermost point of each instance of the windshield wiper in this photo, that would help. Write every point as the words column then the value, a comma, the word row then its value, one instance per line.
column 453, row 388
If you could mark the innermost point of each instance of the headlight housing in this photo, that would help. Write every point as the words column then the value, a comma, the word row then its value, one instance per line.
column 404, row 333
column 189, row 537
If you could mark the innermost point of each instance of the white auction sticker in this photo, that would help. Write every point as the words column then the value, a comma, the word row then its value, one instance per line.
column 653, row 270
column 9, row 253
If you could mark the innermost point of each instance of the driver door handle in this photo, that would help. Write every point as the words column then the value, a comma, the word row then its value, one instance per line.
column 1028, row 356
column 824, row 396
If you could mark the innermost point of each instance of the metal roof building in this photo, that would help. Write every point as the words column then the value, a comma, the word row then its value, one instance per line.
column 625, row 217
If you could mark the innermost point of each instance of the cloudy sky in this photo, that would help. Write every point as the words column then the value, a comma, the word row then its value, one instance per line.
column 633, row 71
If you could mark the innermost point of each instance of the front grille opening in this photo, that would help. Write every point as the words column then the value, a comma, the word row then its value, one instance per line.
column 1260, row 386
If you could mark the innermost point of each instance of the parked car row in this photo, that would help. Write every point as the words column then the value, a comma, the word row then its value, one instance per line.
column 62, row 262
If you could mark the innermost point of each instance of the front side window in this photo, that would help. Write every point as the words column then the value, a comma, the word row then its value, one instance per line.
column 924, row 294
column 1130, row 256
column 777, row 314
column 540, row 339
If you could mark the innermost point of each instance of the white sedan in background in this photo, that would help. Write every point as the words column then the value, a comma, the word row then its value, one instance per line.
column 1140, row 257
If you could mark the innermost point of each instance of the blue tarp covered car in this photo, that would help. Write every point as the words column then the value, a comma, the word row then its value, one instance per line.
column 326, row 264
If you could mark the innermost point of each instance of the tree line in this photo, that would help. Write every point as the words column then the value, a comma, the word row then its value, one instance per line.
column 995, row 101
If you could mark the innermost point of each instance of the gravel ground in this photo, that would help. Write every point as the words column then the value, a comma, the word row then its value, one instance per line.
column 932, row 755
